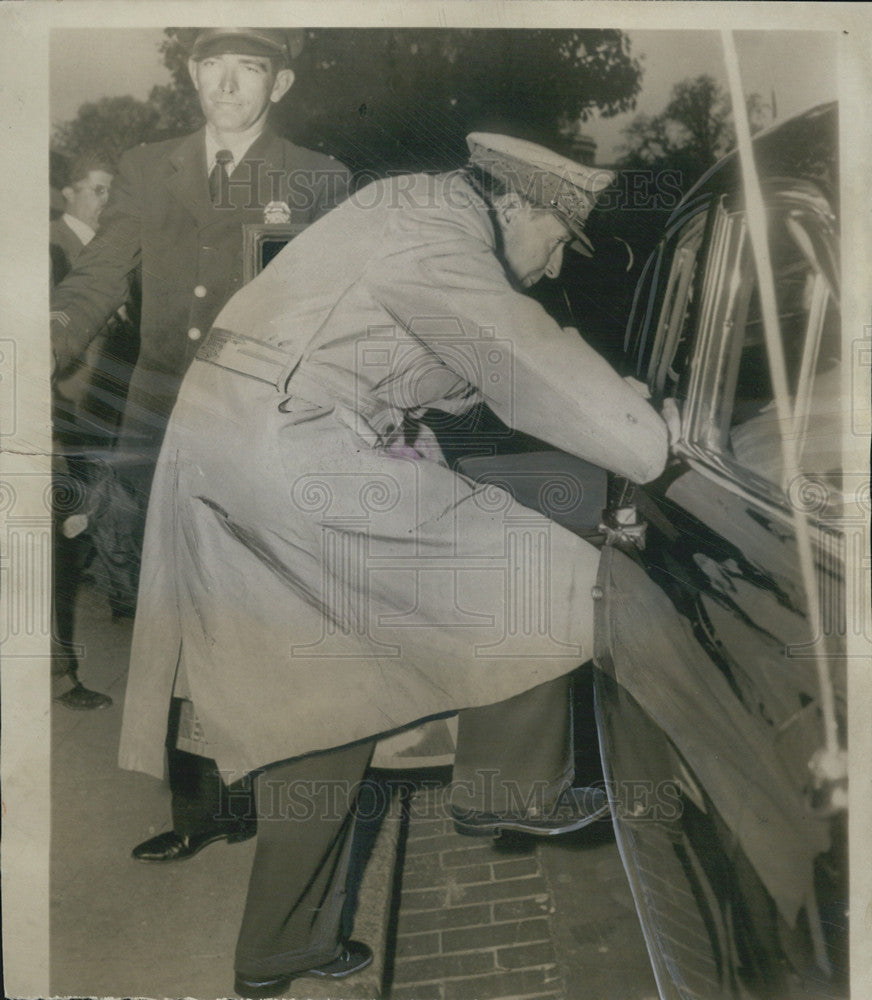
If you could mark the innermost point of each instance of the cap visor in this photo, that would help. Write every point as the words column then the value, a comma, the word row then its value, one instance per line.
column 239, row 45
column 581, row 244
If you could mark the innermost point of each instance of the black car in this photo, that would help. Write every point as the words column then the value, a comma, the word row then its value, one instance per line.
column 720, row 693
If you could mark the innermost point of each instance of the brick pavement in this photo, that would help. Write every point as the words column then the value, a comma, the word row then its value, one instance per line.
column 474, row 916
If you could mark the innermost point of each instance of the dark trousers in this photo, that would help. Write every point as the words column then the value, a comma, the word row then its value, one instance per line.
column 515, row 756
column 201, row 802
column 69, row 482
column 66, row 574
column 510, row 754
column 296, row 892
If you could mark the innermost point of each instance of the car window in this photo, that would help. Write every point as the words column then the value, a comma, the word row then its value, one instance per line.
column 673, row 338
column 740, row 424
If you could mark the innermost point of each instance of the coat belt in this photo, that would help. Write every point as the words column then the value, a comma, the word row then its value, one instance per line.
column 372, row 418
column 247, row 356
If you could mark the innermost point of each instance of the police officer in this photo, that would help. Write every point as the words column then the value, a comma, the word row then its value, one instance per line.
column 177, row 211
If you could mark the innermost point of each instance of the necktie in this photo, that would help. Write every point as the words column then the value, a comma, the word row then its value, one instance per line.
column 218, row 176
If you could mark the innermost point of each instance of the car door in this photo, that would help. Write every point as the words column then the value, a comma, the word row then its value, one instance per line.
column 715, row 686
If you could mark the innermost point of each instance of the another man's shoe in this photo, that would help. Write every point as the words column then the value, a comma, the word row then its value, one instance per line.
column 171, row 846
column 575, row 809
column 355, row 955
column 82, row 699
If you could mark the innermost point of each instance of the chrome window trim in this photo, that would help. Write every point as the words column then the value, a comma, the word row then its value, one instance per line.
column 712, row 363
column 673, row 312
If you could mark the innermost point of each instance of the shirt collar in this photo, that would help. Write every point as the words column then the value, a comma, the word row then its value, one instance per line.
column 238, row 149
column 81, row 229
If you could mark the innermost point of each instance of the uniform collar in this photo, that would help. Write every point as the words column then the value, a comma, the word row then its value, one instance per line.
column 239, row 148
column 188, row 178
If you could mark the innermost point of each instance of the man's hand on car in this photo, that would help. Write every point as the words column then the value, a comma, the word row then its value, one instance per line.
column 672, row 416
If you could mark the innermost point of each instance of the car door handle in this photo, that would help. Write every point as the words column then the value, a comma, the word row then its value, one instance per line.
column 623, row 526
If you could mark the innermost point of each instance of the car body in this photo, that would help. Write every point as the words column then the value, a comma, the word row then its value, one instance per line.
column 718, row 673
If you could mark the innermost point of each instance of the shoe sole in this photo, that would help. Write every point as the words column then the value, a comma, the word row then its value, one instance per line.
column 277, row 987
column 520, row 826
column 262, row 991
column 103, row 701
column 337, row 975
column 231, row 838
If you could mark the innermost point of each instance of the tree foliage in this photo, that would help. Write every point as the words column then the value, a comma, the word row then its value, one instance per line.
column 108, row 127
column 399, row 99
column 692, row 132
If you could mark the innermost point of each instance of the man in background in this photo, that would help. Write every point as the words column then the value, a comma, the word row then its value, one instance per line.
column 85, row 194
column 177, row 211
column 90, row 399
column 83, row 186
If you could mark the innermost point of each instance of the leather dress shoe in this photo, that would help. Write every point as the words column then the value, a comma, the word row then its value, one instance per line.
column 575, row 809
column 171, row 846
column 355, row 955
column 82, row 699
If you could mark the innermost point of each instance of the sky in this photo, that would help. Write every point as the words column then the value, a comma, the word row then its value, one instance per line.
column 129, row 63
column 798, row 66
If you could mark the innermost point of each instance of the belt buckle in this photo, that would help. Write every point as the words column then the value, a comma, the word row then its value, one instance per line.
column 211, row 347
column 245, row 356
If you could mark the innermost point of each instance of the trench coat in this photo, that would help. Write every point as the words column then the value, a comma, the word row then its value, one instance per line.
column 160, row 220
column 313, row 572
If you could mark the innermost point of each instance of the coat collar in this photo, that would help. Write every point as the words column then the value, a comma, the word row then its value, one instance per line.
column 189, row 182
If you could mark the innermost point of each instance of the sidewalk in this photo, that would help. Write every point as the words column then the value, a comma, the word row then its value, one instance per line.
column 472, row 920
column 120, row 928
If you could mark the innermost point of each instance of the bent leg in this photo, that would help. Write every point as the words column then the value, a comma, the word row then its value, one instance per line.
column 515, row 755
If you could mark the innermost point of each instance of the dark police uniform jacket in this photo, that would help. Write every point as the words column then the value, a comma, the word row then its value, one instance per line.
column 160, row 216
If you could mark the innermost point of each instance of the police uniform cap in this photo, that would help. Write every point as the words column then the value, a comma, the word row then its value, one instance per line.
column 544, row 178
column 272, row 42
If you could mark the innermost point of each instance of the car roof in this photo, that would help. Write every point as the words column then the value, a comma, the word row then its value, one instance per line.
column 804, row 147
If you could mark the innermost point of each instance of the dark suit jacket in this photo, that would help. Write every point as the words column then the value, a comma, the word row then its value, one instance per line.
column 160, row 216
column 89, row 402
column 65, row 247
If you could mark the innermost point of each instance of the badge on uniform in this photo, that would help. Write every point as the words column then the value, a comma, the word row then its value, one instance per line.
column 276, row 212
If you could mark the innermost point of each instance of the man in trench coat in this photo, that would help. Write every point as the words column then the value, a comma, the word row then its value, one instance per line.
column 187, row 240
column 315, row 576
